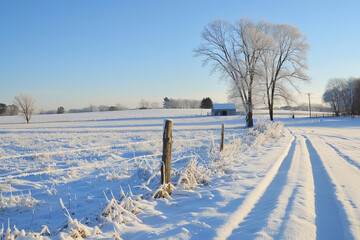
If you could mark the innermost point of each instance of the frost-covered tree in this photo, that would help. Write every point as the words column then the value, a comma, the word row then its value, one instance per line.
column 144, row 104
column 234, row 50
column 283, row 63
column 26, row 104
column 167, row 102
column 353, row 105
column 338, row 95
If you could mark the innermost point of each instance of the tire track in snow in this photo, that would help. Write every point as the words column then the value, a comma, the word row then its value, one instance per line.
column 344, row 178
column 250, row 201
column 331, row 222
column 258, row 216
column 286, row 209
column 345, row 157
column 298, row 221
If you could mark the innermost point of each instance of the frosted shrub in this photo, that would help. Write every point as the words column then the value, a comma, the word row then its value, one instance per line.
column 22, row 200
column 77, row 230
column 233, row 153
column 121, row 211
column 192, row 175
column 164, row 191
column 261, row 132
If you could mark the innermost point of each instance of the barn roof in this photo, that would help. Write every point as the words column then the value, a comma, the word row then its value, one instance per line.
column 225, row 106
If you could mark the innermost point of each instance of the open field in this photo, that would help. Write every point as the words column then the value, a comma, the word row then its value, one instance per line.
column 93, row 175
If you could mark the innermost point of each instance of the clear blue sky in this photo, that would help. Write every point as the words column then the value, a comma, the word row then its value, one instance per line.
column 74, row 53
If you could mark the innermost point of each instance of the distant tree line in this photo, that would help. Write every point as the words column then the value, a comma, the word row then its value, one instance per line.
column 187, row 103
column 180, row 103
column 145, row 104
column 8, row 110
column 91, row 108
column 343, row 95
column 101, row 108
column 305, row 107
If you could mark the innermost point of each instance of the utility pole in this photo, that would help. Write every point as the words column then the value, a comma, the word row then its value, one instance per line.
column 309, row 103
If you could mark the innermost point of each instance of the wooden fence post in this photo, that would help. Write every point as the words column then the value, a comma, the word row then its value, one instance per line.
column 222, row 137
column 166, row 157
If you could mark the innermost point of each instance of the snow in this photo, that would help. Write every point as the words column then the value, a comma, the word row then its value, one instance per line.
column 94, row 176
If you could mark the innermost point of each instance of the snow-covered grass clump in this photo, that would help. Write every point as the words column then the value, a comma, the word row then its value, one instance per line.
column 261, row 132
column 22, row 200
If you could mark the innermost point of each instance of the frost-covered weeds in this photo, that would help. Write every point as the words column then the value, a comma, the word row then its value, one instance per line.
column 192, row 175
column 261, row 132
column 15, row 233
column 235, row 149
column 22, row 200
column 164, row 191
column 116, row 213
column 123, row 210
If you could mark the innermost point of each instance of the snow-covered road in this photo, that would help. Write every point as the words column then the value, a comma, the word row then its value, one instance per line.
column 315, row 193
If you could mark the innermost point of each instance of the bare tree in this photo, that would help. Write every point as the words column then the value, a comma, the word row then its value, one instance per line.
column 336, row 94
column 343, row 95
column 235, row 51
column 154, row 105
column 283, row 63
column 119, row 106
column 26, row 104
column 144, row 104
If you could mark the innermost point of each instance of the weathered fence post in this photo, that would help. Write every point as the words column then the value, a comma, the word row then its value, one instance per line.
column 166, row 157
column 222, row 137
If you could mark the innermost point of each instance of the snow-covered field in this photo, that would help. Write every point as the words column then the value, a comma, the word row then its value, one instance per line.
column 94, row 176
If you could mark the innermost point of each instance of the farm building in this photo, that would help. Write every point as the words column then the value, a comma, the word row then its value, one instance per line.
column 223, row 109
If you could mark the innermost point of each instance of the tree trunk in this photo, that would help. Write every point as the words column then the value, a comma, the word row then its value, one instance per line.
column 271, row 102
column 250, row 109
column 271, row 113
column 250, row 119
column 222, row 137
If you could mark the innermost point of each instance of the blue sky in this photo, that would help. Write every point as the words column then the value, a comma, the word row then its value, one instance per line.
column 74, row 53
